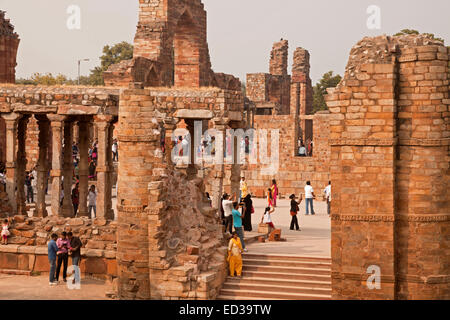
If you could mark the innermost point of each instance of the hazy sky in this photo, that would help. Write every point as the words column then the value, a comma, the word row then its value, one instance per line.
column 240, row 32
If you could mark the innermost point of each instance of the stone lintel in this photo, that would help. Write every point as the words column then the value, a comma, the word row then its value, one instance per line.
column 20, row 107
column 72, row 109
column 194, row 114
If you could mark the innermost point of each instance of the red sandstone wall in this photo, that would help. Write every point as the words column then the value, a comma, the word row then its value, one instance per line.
column 389, row 142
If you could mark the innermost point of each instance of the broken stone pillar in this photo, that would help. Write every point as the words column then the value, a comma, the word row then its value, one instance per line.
column 11, row 121
column 279, row 58
column 83, row 170
column 42, row 167
column 57, row 123
column 21, row 165
column 104, row 188
column 67, row 208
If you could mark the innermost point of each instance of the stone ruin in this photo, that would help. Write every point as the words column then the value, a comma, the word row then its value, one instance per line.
column 389, row 142
column 9, row 43
column 284, row 102
column 384, row 143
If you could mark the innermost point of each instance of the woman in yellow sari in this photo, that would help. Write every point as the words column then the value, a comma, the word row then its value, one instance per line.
column 235, row 255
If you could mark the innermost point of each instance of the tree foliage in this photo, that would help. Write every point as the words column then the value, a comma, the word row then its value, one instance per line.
column 320, row 90
column 111, row 55
column 412, row 31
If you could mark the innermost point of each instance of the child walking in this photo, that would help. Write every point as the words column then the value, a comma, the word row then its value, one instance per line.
column 5, row 231
column 267, row 219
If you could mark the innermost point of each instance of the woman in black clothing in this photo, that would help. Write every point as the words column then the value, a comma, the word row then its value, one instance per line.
column 294, row 211
column 247, row 213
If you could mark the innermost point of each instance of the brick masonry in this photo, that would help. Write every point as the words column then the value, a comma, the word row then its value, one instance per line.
column 390, row 161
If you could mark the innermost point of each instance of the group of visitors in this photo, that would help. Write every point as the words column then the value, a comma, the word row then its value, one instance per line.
column 59, row 250
column 305, row 150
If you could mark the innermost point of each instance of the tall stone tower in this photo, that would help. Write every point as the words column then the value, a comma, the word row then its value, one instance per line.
column 9, row 43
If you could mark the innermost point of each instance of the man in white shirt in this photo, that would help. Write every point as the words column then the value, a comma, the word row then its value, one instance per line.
column 309, row 197
column 327, row 192
column 227, row 205
column 302, row 151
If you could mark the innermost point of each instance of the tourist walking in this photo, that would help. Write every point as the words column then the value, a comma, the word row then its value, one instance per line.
column 52, row 250
column 247, row 211
column 294, row 211
column 115, row 151
column 327, row 192
column 5, row 231
column 95, row 155
column 274, row 192
column 243, row 189
column 92, row 168
column 267, row 217
column 75, row 254
column 309, row 198
column 237, row 222
column 63, row 244
column 227, row 205
column 30, row 196
column 92, row 201
column 76, row 198
column 235, row 255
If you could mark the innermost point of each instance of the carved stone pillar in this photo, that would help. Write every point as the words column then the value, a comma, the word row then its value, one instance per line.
column 84, row 128
column 21, row 165
column 11, row 121
column 67, row 209
column 42, row 167
column 104, row 189
column 170, row 126
column 57, row 123
column 219, row 166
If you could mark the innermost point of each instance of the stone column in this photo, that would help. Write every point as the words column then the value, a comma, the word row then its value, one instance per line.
column 11, row 121
column 219, row 166
column 67, row 208
column 191, row 170
column 170, row 126
column 104, row 192
column 236, row 167
column 84, row 129
column 42, row 167
column 21, row 165
column 57, row 122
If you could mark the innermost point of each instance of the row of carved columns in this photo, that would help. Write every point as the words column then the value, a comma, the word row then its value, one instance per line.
column 61, row 165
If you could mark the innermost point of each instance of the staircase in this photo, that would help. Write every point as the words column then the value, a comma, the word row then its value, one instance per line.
column 280, row 277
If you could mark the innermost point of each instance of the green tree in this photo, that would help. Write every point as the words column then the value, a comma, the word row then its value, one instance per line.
column 320, row 90
column 412, row 31
column 111, row 55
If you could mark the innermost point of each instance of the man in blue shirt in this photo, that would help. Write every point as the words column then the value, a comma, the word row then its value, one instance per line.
column 237, row 222
column 52, row 249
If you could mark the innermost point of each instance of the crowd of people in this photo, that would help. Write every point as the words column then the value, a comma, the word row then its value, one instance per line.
column 305, row 150
column 237, row 213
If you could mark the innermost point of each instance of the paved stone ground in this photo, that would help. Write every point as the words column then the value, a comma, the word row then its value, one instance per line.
column 36, row 288
column 314, row 239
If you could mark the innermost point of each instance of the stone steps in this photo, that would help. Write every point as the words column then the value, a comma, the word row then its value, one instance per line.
column 292, row 270
column 281, row 263
column 281, row 277
column 15, row 272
